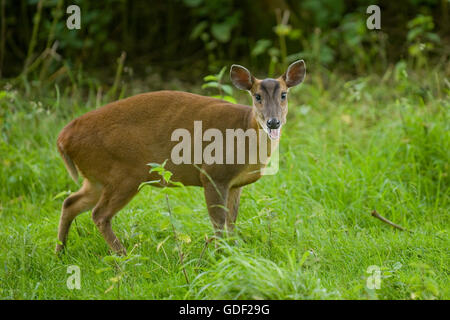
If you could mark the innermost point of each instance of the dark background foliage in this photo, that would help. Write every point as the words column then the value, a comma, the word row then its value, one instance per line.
column 191, row 36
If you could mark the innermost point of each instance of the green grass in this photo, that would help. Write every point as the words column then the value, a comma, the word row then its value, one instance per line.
column 305, row 233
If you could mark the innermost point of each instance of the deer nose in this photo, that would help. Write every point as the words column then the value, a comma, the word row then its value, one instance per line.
column 273, row 123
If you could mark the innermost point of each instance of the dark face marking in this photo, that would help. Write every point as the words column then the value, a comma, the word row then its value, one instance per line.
column 270, row 96
column 270, row 88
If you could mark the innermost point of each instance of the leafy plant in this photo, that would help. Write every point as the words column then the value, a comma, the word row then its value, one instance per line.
column 218, row 20
column 279, row 58
column 179, row 238
column 422, row 41
column 215, row 81
column 120, row 265
column 423, row 284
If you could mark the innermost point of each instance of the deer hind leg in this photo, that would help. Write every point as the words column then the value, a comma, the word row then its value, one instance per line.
column 216, row 200
column 111, row 201
column 78, row 202
column 234, row 196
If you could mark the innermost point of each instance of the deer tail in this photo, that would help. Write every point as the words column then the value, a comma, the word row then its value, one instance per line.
column 71, row 168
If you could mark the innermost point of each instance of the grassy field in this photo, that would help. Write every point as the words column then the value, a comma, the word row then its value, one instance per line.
column 349, row 147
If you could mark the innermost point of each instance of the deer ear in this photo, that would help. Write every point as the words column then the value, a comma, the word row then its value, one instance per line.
column 241, row 77
column 295, row 73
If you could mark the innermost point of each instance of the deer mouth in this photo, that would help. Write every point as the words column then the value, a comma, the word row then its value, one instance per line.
column 274, row 134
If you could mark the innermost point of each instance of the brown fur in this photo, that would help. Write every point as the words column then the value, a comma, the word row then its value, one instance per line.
column 112, row 146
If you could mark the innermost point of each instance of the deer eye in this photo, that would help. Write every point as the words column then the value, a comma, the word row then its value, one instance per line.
column 283, row 96
column 258, row 97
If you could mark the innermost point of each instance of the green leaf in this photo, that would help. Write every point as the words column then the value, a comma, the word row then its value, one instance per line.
column 295, row 34
column 184, row 238
column 304, row 257
column 157, row 169
column 116, row 279
column 177, row 183
column 260, row 47
column 158, row 247
column 109, row 289
column 221, row 72
column 212, row 84
column 167, row 175
column 61, row 194
column 274, row 52
column 143, row 184
column 154, row 165
column 101, row 270
column 221, row 31
column 282, row 29
column 166, row 224
column 413, row 34
column 198, row 30
column 210, row 78
column 226, row 98
column 227, row 89
column 433, row 37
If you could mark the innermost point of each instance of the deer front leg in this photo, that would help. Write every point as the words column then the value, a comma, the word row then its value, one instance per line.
column 234, row 196
column 216, row 196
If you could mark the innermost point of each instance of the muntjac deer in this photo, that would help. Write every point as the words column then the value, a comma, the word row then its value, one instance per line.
column 112, row 146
